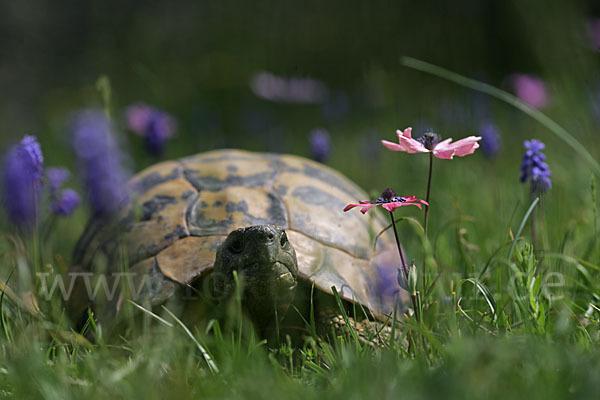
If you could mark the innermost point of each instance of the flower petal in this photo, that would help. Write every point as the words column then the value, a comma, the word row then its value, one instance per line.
column 351, row 206
column 407, row 133
column 361, row 203
column 462, row 147
column 396, row 204
column 407, row 144
column 367, row 208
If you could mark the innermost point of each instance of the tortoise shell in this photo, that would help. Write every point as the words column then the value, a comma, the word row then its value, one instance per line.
column 182, row 210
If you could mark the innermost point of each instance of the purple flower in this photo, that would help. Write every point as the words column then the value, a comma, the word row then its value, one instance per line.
column 62, row 203
column 490, row 139
column 593, row 28
column 155, row 125
column 534, row 166
column 320, row 144
column 66, row 203
column 100, row 161
column 529, row 88
column 22, row 179
column 287, row 90
column 55, row 177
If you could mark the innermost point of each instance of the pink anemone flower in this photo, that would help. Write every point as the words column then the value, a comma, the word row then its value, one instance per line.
column 389, row 201
column 430, row 142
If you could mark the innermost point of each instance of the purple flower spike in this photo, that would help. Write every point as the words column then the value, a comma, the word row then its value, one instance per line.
column 154, row 125
column 65, row 204
column 490, row 139
column 62, row 203
column 31, row 149
column 56, row 176
column 534, row 166
column 320, row 144
column 22, row 178
column 100, row 161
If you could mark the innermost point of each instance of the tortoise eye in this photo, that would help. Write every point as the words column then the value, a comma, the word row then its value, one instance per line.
column 236, row 245
column 284, row 240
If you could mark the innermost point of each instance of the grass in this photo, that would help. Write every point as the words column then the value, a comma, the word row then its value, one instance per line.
column 497, row 327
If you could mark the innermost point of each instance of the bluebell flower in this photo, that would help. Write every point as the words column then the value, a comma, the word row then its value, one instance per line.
column 62, row 202
column 534, row 166
column 154, row 125
column 100, row 161
column 22, row 181
column 490, row 139
column 320, row 144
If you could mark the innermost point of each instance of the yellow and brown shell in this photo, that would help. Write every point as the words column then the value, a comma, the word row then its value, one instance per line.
column 184, row 209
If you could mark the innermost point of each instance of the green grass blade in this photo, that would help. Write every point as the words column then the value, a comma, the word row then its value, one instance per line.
column 351, row 327
column 207, row 357
column 150, row 313
column 534, row 113
column 489, row 298
column 523, row 222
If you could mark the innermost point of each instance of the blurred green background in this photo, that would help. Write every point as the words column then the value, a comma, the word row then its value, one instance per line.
column 196, row 60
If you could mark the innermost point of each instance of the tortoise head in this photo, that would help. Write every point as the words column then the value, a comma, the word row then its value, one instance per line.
column 266, row 262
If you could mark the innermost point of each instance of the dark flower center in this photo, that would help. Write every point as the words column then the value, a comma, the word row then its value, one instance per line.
column 429, row 140
column 388, row 196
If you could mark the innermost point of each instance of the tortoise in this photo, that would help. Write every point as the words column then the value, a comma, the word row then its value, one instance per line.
column 275, row 219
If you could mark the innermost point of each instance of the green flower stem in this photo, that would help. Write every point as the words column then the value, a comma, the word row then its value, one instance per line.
column 533, row 233
column 428, row 191
column 399, row 246
column 413, row 297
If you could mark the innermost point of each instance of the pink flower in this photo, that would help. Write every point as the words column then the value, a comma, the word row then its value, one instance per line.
column 430, row 142
column 529, row 88
column 389, row 201
column 593, row 28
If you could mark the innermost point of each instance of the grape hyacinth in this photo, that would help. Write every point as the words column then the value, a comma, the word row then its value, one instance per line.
column 62, row 202
column 534, row 166
column 100, row 161
column 22, row 181
column 490, row 139
column 65, row 203
column 154, row 125
column 320, row 144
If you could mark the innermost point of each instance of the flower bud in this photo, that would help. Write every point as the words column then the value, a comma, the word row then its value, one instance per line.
column 412, row 278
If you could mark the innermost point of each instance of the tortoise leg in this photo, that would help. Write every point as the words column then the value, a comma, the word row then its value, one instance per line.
column 331, row 323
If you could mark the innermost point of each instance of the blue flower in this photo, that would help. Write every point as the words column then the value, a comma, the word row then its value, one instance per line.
column 22, row 181
column 534, row 166
column 490, row 139
column 62, row 203
column 100, row 161
column 320, row 144
column 55, row 177
column 156, row 126
column 65, row 203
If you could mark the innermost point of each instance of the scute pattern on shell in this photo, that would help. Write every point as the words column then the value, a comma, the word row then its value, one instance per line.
column 184, row 209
